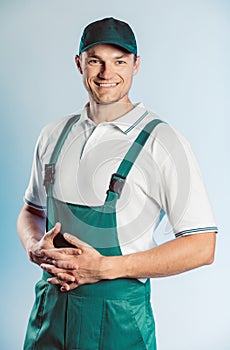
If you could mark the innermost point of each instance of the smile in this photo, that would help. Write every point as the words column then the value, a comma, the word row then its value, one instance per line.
column 107, row 85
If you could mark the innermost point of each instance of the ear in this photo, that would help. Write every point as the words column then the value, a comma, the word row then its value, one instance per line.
column 78, row 63
column 136, row 65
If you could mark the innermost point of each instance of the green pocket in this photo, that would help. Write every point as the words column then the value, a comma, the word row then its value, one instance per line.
column 36, row 317
column 83, row 323
column 46, row 328
column 120, row 327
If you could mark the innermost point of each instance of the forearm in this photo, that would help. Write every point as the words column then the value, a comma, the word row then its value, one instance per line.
column 171, row 258
column 86, row 265
column 31, row 226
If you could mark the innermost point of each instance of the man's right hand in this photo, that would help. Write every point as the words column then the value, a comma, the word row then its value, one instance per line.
column 46, row 242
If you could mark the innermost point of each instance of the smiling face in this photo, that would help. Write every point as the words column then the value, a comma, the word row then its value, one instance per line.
column 107, row 73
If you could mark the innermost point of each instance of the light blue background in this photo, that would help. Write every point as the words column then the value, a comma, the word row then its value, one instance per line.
column 184, row 77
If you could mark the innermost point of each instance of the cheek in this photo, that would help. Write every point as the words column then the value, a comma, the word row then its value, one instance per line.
column 87, row 78
column 128, row 79
column 90, row 71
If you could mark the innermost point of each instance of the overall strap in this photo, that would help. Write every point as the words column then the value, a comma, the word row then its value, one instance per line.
column 50, row 167
column 118, row 179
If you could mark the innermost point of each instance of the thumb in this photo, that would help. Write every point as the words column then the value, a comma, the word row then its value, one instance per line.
column 54, row 231
column 76, row 241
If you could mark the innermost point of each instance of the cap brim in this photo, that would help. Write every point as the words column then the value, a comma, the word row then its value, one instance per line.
column 110, row 42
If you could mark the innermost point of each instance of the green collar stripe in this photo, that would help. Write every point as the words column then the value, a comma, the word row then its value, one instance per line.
column 136, row 122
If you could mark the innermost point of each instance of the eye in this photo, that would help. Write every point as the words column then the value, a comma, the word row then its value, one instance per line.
column 119, row 62
column 94, row 62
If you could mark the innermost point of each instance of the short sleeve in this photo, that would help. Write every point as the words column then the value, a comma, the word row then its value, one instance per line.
column 184, row 197
column 35, row 194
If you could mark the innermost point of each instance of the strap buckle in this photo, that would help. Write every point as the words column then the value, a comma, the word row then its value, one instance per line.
column 49, row 174
column 116, row 183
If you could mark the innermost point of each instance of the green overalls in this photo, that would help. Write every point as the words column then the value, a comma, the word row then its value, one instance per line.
column 107, row 315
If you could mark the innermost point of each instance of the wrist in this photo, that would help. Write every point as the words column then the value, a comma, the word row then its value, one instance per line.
column 113, row 267
column 30, row 245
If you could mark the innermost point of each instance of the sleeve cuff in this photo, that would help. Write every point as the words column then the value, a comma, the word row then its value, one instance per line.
column 197, row 230
column 35, row 206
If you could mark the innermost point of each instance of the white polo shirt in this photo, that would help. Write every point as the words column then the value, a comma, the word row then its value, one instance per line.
column 165, row 178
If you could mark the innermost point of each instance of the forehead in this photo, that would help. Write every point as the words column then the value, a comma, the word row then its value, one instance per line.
column 105, row 50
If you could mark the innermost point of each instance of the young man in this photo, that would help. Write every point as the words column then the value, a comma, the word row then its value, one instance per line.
column 99, row 185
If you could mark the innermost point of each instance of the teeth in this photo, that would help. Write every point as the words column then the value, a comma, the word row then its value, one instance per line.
column 107, row 85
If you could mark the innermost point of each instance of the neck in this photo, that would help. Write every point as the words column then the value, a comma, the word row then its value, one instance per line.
column 108, row 112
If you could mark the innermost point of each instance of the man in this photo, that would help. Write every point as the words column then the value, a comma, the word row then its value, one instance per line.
column 103, row 179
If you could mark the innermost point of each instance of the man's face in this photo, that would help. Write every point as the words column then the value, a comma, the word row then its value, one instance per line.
column 107, row 73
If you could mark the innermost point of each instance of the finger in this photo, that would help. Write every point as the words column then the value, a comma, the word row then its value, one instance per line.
column 59, row 253
column 53, row 280
column 53, row 254
column 64, row 277
column 40, row 258
column 53, row 270
column 70, row 251
column 65, row 287
column 61, row 264
column 56, row 272
column 49, row 261
column 66, row 265
column 54, row 231
column 61, row 279
column 76, row 241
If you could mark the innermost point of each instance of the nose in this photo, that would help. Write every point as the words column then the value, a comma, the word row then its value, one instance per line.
column 106, row 71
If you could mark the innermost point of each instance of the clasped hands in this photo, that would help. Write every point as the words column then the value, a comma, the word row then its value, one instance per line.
column 70, row 267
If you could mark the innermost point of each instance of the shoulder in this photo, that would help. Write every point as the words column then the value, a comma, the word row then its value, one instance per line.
column 50, row 132
column 167, row 144
column 166, row 133
column 54, row 128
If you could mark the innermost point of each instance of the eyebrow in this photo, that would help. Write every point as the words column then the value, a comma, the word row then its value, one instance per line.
column 93, row 55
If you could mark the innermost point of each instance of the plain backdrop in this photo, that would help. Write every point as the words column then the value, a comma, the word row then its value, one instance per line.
column 184, row 77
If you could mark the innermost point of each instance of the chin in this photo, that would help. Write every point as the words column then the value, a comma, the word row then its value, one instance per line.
column 105, row 102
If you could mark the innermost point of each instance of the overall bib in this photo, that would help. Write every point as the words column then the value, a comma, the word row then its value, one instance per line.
column 107, row 315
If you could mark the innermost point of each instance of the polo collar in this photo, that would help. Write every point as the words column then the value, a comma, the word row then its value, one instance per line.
column 127, row 122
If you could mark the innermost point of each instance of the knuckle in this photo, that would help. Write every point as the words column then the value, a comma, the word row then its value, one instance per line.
column 79, row 281
column 59, row 276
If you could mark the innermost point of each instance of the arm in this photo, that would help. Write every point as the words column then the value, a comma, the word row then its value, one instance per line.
column 171, row 258
column 174, row 257
column 31, row 228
